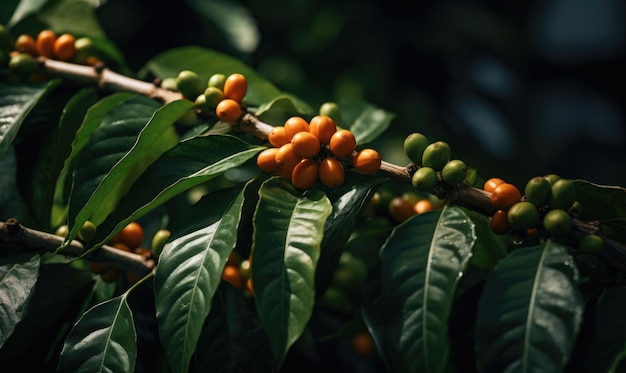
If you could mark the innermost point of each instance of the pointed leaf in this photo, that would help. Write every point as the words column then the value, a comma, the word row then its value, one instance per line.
column 188, row 164
column 103, row 340
column 16, row 101
column 18, row 276
column 604, row 203
column 288, row 230
column 365, row 121
column 189, row 272
column 421, row 263
column 530, row 311
column 282, row 108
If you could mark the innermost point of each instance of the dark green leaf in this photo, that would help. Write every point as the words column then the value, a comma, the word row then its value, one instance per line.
column 277, row 111
column 74, row 17
column 189, row 272
column 288, row 230
column 190, row 163
column 16, row 101
column 103, row 340
column 12, row 204
column 421, row 263
column 604, row 203
column 206, row 62
column 364, row 120
column 18, row 276
column 530, row 311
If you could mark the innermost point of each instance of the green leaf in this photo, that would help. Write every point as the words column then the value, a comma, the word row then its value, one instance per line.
column 530, row 311
column 365, row 120
column 420, row 265
column 16, row 101
column 74, row 17
column 206, row 62
column 127, row 142
column 282, row 108
column 288, row 230
column 18, row 276
column 604, row 203
column 188, row 164
column 12, row 204
column 189, row 272
column 103, row 340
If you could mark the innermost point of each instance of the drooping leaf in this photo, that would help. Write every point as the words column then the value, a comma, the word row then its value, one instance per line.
column 604, row 203
column 127, row 142
column 103, row 340
column 188, row 164
column 288, row 230
column 16, row 101
column 364, row 120
column 277, row 111
column 530, row 311
column 189, row 272
column 206, row 62
column 18, row 276
column 232, row 339
column 420, row 265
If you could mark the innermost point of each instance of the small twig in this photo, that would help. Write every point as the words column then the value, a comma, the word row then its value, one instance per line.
column 15, row 235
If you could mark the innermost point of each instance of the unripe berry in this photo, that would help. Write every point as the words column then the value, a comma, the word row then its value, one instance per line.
column 591, row 244
column 523, row 215
column 436, row 155
column 84, row 49
column 424, row 179
column 331, row 109
column 454, row 172
column 414, row 146
column 189, row 84
column 87, row 231
column 23, row 64
column 557, row 222
column 537, row 191
column 562, row 194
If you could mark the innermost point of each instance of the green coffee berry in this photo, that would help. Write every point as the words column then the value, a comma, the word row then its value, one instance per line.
column 562, row 194
column 189, row 84
column 424, row 179
column 331, row 109
column 159, row 239
column 169, row 83
column 84, row 48
column 189, row 119
column 454, row 172
column 537, row 191
column 523, row 215
column 213, row 96
column 591, row 244
column 23, row 64
column 62, row 231
column 436, row 155
column 87, row 231
column 414, row 146
column 557, row 222
column 552, row 178
column 202, row 104
column 217, row 81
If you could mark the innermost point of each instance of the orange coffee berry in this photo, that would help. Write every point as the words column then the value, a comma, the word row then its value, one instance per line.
column 266, row 160
column 287, row 157
column 423, row 205
column 504, row 196
column 26, row 44
column 305, row 174
column 132, row 235
column 235, row 87
column 499, row 222
column 362, row 344
column 278, row 137
column 64, row 47
column 232, row 275
column 331, row 172
column 492, row 183
column 367, row 161
column 228, row 110
column 294, row 125
column 306, row 144
column 45, row 43
column 323, row 127
column 342, row 143
column 401, row 209
column 285, row 172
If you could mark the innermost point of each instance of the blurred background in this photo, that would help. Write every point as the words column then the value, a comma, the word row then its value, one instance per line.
column 518, row 89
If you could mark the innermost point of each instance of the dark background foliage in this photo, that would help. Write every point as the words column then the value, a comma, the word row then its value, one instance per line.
column 517, row 88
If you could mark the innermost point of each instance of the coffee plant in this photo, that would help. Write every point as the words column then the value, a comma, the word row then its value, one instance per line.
column 191, row 216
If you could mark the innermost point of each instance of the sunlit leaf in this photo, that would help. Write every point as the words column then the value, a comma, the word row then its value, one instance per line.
column 364, row 120
column 18, row 276
column 189, row 272
column 420, row 265
column 288, row 230
column 103, row 340
column 530, row 311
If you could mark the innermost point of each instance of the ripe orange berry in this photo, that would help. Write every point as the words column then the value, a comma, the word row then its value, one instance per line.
column 122, row 246
column 45, row 43
column 287, row 157
column 331, row 172
column 323, row 127
column 504, row 196
column 306, row 144
column 367, row 161
column 423, row 205
column 278, row 137
column 235, row 87
column 362, row 344
column 132, row 235
column 401, row 209
column 492, row 183
column 294, row 125
column 499, row 222
column 342, row 143
column 64, row 47
column 305, row 174
column 266, row 160
column 249, row 287
column 228, row 110
column 232, row 275
column 26, row 44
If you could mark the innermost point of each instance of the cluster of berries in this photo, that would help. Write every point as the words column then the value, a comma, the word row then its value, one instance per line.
column 222, row 95
column 237, row 273
column 305, row 152
column 547, row 204
column 434, row 162
column 20, row 53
